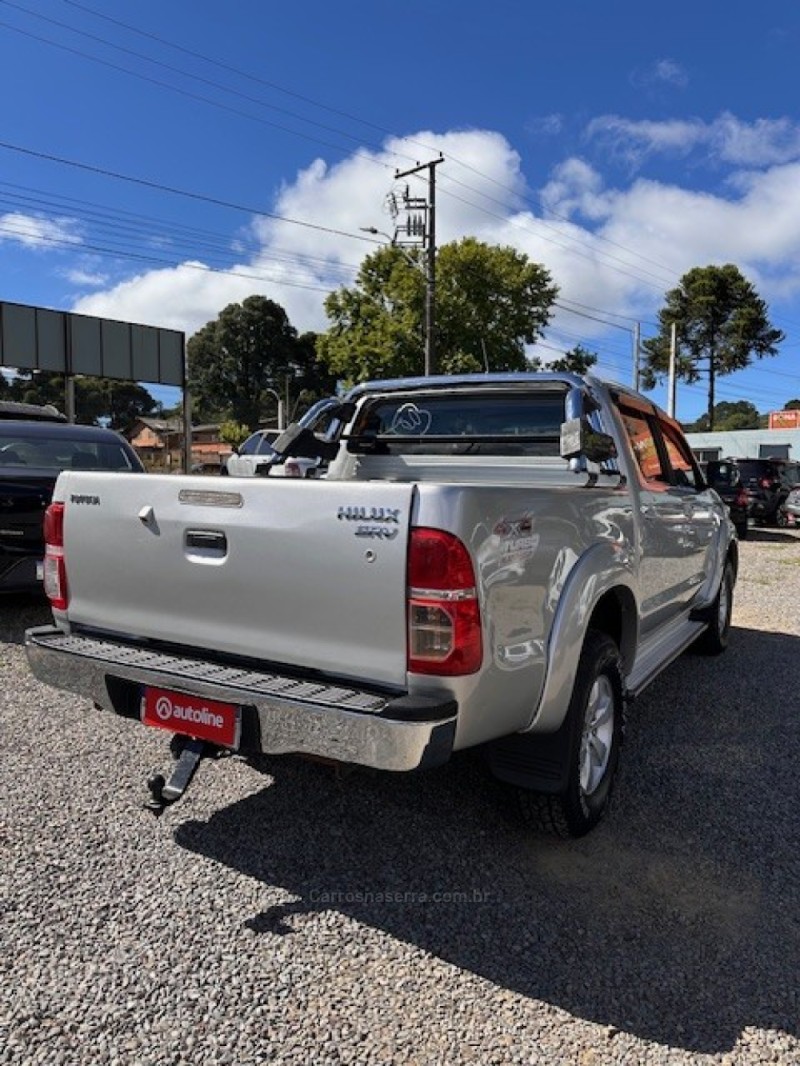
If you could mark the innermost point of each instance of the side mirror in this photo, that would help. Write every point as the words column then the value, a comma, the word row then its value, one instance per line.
column 578, row 439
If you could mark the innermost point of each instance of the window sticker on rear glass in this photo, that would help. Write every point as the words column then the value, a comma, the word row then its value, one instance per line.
column 410, row 420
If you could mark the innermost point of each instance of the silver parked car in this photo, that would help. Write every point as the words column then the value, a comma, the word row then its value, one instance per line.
column 789, row 511
column 257, row 457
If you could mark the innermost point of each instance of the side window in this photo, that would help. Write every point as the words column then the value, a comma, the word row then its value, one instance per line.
column 643, row 444
column 250, row 446
column 684, row 470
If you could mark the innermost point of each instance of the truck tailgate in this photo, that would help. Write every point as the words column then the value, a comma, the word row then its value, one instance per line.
column 307, row 573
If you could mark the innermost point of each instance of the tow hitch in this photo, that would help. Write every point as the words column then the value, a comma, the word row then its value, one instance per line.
column 163, row 792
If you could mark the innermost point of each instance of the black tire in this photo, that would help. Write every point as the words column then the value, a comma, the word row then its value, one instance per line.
column 781, row 518
column 715, row 639
column 596, row 712
column 741, row 530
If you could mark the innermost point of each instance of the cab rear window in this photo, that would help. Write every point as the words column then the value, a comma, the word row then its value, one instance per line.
column 488, row 424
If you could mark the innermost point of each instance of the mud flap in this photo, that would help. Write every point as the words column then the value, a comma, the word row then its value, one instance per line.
column 535, row 761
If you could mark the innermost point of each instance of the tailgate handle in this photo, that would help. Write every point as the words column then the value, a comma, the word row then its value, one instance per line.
column 207, row 540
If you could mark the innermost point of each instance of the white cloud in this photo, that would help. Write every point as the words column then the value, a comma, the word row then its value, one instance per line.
column 545, row 125
column 663, row 72
column 762, row 143
column 38, row 232
column 575, row 187
column 615, row 247
column 727, row 139
column 298, row 264
column 86, row 278
column 184, row 297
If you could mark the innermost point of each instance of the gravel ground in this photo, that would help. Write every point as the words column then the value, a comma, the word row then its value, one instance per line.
column 289, row 914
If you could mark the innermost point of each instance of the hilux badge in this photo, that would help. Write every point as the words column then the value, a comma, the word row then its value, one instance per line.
column 373, row 521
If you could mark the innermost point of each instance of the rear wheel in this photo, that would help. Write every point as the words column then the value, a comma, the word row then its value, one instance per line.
column 596, row 721
column 781, row 518
column 715, row 639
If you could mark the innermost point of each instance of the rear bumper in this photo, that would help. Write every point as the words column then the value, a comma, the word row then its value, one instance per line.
column 280, row 714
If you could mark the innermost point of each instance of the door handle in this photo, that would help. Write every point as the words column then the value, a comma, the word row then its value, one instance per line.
column 206, row 542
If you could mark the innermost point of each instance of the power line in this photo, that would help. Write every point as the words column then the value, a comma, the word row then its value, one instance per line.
column 533, row 222
column 540, row 223
column 118, row 220
column 175, row 70
column 353, row 118
column 224, row 66
column 160, row 187
column 276, row 87
column 216, row 85
column 56, row 242
column 594, row 318
column 176, row 89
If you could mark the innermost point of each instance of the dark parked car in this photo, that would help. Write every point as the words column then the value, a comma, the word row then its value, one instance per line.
column 789, row 513
column 32, row 454
column 767, row 483
column 724, row 476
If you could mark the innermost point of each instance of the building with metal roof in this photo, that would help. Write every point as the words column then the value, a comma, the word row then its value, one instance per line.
column 746, row 444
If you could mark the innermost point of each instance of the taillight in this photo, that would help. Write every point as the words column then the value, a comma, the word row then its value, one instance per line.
column 766, row 483
column 741, row 498
column 444, row 618
column 55, row 572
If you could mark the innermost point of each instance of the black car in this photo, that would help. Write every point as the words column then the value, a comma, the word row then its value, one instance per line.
column 767, row 483
column 32, row 454
column 724, row 476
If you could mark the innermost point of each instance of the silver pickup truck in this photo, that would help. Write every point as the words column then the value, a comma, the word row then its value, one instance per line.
column 497, row 562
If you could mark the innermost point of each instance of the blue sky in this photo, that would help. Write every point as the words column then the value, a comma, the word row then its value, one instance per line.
column 619, row 145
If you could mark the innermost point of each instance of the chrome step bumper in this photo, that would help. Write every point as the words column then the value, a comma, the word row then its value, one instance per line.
column 282, row 714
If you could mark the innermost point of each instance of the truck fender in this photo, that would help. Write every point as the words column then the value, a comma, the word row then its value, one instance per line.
column 603, row 573
column 726, row 549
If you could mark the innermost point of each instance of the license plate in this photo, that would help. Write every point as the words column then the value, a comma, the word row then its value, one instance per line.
column 192, row 715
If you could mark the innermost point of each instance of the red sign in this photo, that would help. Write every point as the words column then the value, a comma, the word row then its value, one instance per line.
column 193, row 715
column 784, row 419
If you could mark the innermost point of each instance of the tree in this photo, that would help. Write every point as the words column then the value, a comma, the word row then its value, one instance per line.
column 121, row 402
column 720, row 319
column 729, row 416
column 490, row 302
column 311, row 378
column 237, row 362
column 578, row 360
column 97, row 400
column 40, row 387
column 233, row 433
column 792, row 405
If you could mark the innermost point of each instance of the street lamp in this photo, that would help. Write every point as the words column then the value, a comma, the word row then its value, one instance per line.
column 428, row 309
column 273, row 392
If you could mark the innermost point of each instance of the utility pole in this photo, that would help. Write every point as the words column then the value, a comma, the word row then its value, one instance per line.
column 636, row 346
column 428, row 233
column 673, row 360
